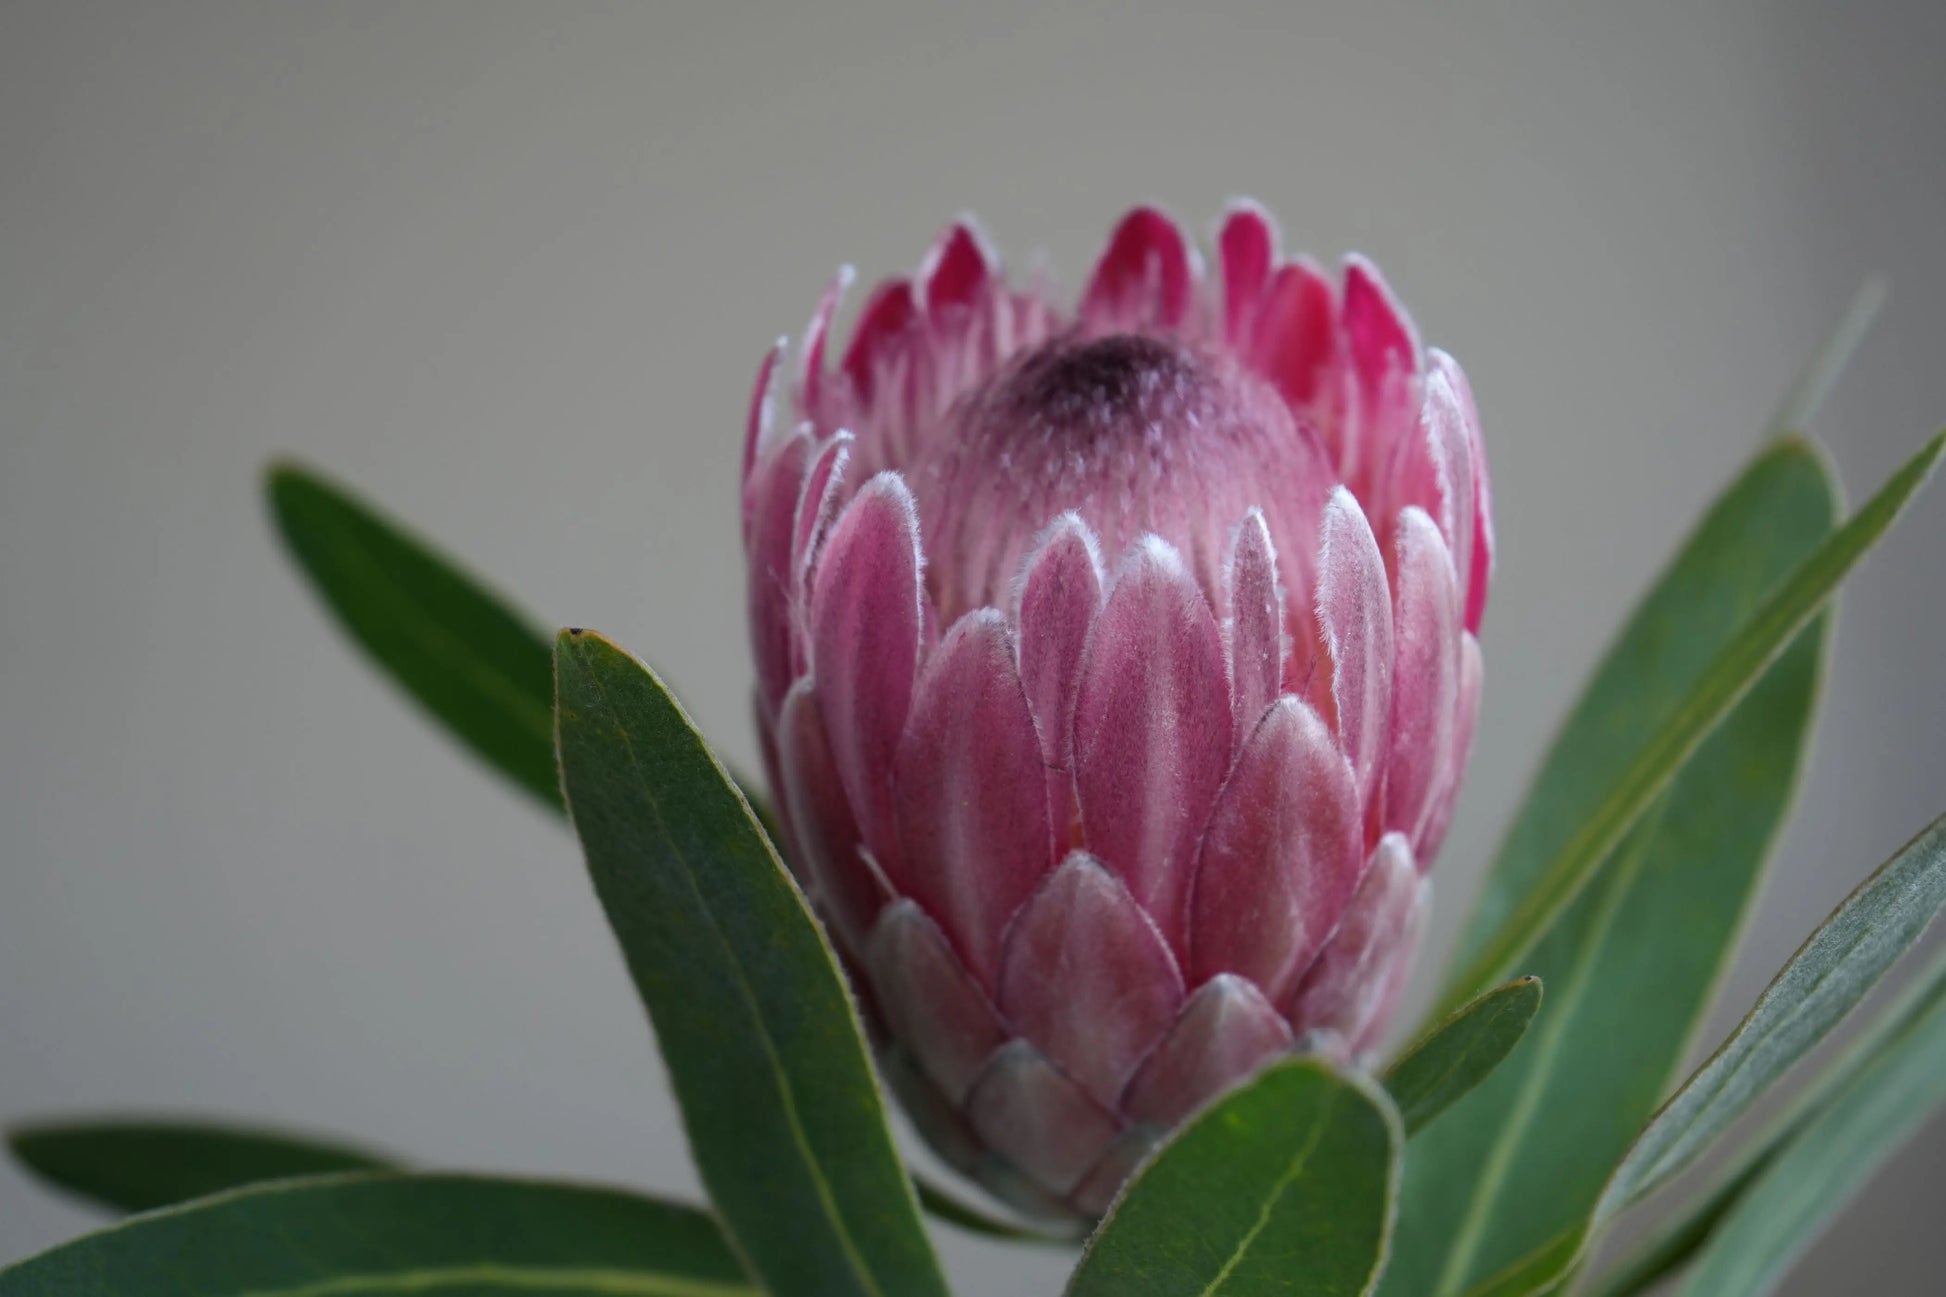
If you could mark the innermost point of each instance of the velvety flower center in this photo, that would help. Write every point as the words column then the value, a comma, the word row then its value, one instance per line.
column 1138, row 434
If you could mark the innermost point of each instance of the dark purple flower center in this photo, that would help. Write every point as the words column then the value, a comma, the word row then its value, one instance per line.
column 1138, row 434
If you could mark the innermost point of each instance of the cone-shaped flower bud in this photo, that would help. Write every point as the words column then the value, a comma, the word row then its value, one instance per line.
column 1116, row 673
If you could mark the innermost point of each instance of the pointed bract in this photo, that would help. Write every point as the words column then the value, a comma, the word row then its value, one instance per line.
column 1281, row 857
column 971, row 792
column 1152, row 730
column 1087, row 978
column 1226, row 1031
column 1039, row 1119
column 865, row 629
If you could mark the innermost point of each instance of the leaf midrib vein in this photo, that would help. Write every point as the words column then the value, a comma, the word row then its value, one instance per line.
column 1299, row 1161
column 826, row 1199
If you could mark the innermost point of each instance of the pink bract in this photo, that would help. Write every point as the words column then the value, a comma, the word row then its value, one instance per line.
column 1116, row 675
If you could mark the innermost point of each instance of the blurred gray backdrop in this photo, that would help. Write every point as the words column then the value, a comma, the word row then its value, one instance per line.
column 510, row 267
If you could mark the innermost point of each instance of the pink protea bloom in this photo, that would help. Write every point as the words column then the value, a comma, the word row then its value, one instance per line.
column 1116, row 674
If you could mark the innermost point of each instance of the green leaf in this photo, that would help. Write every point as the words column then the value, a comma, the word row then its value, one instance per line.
column 478, row 666
column 1813, row 1176
column 1907, row 873
column 136, row 1165
column 349, row 1236
column 1461, row 1051
column 1282, row 1187
column 1830, row 974
column 758, row 1031
column 1827, row 977
column 1671, row 1247
column 1631, row 965
column 1651, row 755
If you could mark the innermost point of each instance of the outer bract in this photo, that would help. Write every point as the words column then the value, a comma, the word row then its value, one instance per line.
column 1116, row 674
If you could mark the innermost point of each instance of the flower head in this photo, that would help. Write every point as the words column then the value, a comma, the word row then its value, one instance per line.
column 1116, row 672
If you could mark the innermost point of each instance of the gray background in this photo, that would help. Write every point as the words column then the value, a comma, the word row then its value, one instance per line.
column 510, row 269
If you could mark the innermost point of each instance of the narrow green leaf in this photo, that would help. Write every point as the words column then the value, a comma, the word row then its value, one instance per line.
column 1684, row 1233
column 758, row 1031
column 481, row 669
column 944, row 1205
column 1631, row 965
column 1671, row 1247
column 1830, row 974
column 1827, row 977
column 480, row 666
column 138, row 1164
column 1461, row 1051
column 359, row 1235
column 1730, row 674
column 1816, row 377
column 1543, row 1270
column 1282, row 1187
column 1813, row 1176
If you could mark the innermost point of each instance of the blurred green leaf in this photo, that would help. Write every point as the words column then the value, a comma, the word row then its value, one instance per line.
column 756, row 1026
column 360, row 1235
column 1827, row 977
column 1461, row 1051
column 1768, row 1039
column 1810, row 1178
column 1506, row 928
column 1671, row 1247
column 139, row 1164
column 1819, row 374
column 482, row 669
column 1631, row 964
column 1282, row 1187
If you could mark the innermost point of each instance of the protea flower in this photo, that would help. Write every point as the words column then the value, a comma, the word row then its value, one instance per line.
column 1116, row 673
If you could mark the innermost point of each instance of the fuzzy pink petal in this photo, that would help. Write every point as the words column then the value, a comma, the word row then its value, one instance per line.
column 1087, row 978
column 1433, row 468
column 1479, row 574
column 1152, row 730
column 757, row 424
column 850, row 890
column 817, row 334
column 1472, row 669
column 1060, row 595
column 1345, row 986
column 1247, row 246
column 1282, row 855
column 1383, row 356
column 1295, row 342
column 1038, row 1119
column 972, row 792
column 1226, row 1031
column 956, row 271
column 931, row 1003
column 1256, row 624
column 1425, row 675
column 779, row 482
column 1145, row 279
column 817, row 505
column 887, row 315
column 865, row 631
column 1355, row 622
column 1366, row 1033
